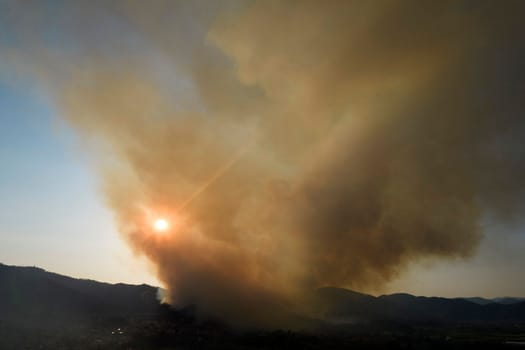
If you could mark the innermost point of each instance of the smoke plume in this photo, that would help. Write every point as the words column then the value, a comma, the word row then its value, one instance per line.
column 291, row 145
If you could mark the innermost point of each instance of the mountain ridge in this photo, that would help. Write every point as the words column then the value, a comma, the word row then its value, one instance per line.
column 34, row 296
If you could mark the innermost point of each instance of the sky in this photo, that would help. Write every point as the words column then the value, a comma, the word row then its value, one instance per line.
column 51, row 216
column 374, row 146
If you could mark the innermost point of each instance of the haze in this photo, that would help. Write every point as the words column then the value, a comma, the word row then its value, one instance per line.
column 289, row 146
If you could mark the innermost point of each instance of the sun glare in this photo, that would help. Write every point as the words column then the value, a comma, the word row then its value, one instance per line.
column 161, row 225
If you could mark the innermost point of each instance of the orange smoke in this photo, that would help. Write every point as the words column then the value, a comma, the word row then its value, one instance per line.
column 289, row 145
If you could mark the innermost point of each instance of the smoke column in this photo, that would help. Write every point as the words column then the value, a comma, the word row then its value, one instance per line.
column 292, row 145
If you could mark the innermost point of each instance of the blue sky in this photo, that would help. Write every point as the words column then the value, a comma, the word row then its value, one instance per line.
column 50, row 212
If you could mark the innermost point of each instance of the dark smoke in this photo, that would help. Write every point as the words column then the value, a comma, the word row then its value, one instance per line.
column 293, row 144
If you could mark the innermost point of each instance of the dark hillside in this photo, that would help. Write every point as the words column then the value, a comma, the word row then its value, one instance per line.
column 31, row 296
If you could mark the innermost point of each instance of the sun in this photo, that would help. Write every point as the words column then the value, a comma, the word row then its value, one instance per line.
column 161, row 225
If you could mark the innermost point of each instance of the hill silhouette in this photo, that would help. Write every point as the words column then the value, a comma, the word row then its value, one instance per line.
column 44, row 310
column 34, row 297
column 341, row 305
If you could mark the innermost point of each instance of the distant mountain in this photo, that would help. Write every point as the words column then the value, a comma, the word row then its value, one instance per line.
column 31, row 296
column 502, row 300
column 478, row 300
column 508, row 300
column 341, row 305
column 44, row 310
